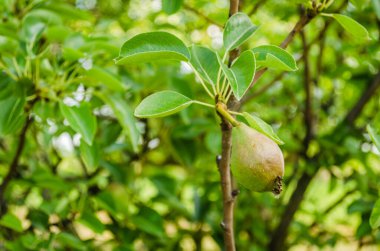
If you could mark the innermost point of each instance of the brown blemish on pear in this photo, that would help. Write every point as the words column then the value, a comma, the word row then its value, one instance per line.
column 257, row 162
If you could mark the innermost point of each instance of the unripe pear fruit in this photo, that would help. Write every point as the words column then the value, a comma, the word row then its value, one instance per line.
column 257, row 162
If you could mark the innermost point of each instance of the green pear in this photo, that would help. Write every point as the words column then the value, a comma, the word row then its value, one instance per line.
column 257, row 162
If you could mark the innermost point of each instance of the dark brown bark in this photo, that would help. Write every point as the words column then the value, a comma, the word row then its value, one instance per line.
column 13, row 167
column 12, row 171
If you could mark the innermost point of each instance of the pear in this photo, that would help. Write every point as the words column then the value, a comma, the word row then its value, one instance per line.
column 257, row 162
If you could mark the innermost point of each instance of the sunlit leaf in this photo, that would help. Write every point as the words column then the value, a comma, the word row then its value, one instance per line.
column 149, row 221
column 11, row 114
column 99, row 76
column 374, row 220
column 228, row 73
column 11, row 221
column 147, row 47
column 69, row 240
column 106, row 201
column 124, row 115
column 237, row 30
column 274, row 57
column 262, row 127
column 171, row 6
column 65, row 10
column 205, row 63
column 350, row 25
column 89, row 154
column 81, row 120
column 244, row 70
column 161, row 104
column 91, row 221
column 374, row 136
column 376, row 7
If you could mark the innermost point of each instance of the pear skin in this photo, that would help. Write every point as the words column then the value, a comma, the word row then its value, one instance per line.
column 257, row 162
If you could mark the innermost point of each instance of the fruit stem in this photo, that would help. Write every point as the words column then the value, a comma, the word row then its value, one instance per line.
column 221, row 108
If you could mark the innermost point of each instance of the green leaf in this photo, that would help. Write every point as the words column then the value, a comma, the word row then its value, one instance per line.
column 106, row 201
column 238, row 29
column 32, row 28
column 376, row 7
column 244, row 70
column 161, row 104
column 228, row 73
column 350, row 25
column 171, row 6
column 66, row 10
column 124, row 115
column 205, row 62
column 8, row 45
column 149, row 221
column 147, row 47
column 89, row 154
column 69, row 240
column 81, row 120
column 91, row 221
column 71, row 54
column 374, row 220
column 57, row 33
column 11, row 115
column 99, row 76
column 262, row 127
column 374, row 136
column 47, row 180
column 274, row 57
column 11, row 221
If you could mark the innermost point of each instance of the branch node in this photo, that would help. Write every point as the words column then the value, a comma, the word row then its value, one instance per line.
column 218, row 159
column 235, row 193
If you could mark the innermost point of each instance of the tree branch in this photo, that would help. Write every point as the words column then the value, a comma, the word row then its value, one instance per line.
column 13, row 168
column 335, row 204
column 368, row 93
column 263, row 89
column 256, row 7
column 308, row 113
column 234, row 7
column 279, row 235
column 14, row 164
column 226, row 182
column 224, row 164
column 197, row 12
column 306, row 17
column 278, row 239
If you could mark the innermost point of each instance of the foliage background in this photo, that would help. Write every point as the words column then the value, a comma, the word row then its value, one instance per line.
column 66, row 194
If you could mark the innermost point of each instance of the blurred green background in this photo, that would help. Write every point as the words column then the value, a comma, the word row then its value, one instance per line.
column 59, row 192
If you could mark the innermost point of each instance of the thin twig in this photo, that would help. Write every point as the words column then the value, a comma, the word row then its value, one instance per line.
column 195, row 11
column 335, row 204
column 263, row 89
column 256, row 7
column 14, row 164
column 308, row 113
column 305, row 19
column 367, row 94
column 280, row 233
